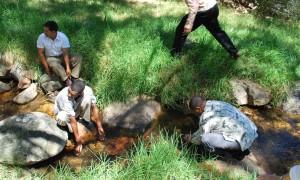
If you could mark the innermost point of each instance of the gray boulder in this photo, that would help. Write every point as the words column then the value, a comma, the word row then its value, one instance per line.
column 249, row 93
column 30, row 138
column 27, row 95
column 292, row 103
column 133, row 117
column 4, row 87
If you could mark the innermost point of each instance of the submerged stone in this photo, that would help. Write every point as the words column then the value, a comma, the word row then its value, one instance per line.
column 30, row 138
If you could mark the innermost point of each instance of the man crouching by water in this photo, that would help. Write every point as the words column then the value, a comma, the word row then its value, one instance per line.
column 222, row 128
column 75, row 102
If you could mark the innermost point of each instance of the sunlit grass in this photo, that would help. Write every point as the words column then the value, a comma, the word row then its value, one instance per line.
column 157, row 159
column 125, row 45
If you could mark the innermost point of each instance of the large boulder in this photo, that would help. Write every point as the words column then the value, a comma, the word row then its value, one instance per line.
column 131, row 118
column 4, row 87
column 292, row 104
column 30, row 138
column 249, row 93
column 27, row 95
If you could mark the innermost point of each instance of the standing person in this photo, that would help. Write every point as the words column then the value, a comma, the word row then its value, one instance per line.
column 204, row 12
column 222, row 128
column 53, row 49
column 73, row 102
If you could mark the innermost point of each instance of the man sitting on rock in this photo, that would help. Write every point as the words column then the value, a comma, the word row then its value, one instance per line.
column 74, row 102
column 53, row 49
column 223, row 129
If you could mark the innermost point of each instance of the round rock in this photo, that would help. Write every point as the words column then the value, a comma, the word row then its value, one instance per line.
column 30, row 138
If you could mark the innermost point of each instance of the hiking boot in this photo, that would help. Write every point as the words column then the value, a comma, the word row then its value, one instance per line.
column 175, row 53
column 236, row 55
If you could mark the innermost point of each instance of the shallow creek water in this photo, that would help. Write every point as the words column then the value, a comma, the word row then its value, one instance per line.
column 277, row 147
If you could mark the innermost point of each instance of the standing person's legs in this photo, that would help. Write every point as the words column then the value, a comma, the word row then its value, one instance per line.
column 221, row 36
column 180, row 37
column 75, row 63
column 56, row 65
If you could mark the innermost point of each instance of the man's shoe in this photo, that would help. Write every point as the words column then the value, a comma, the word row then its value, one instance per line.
column 236, row 55
column 175, row 53
column 68, row 82
column 74, row 79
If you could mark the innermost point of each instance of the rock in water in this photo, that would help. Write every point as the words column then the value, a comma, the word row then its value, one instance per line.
column 132, row 118
column 4, row 87
column 30, row 138
column 27, row 95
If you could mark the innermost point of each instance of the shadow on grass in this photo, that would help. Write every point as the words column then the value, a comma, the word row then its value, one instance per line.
column 88, row 23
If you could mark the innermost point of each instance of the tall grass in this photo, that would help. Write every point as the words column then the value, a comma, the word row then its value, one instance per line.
column 157, row 159
column 125, row 45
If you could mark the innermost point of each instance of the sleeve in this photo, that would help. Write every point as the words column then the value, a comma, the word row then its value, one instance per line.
column 196, row 136
column 193, row 9
column 90, row 93
column 39, row 42
column 295, row 173
column 66, row 106
column 65, row 42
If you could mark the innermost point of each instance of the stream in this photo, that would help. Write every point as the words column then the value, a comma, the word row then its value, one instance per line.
column 277, row 147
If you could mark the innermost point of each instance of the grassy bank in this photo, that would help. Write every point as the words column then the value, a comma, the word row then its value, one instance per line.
column 125, row 45
column 157, row 159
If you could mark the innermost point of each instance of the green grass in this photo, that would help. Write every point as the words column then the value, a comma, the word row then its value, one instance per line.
column 157, row 159
column 125, row 45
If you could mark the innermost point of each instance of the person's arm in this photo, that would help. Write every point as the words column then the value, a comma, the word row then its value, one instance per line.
column 65, row 52
column 193, row 6
column 98, row 122
column 43, row 60
column 76, row 135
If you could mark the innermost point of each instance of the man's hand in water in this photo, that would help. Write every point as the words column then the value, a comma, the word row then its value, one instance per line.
column 101, row 134
column 78, row 149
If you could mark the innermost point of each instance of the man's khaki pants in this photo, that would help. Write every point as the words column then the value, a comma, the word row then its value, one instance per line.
column 83, row 110
column 57, row 65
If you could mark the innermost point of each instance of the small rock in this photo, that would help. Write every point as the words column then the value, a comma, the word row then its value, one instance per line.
column 4, row 87
column 18, row 71
column 27, row 95
column 24, row 83
column 292, row 103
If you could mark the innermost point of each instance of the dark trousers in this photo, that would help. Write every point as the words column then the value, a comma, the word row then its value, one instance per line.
column 209, row 19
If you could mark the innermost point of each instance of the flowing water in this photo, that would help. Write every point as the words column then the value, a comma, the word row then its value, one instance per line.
column 277, row 147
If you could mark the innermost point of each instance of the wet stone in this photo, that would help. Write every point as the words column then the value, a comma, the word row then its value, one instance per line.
column 4, row 87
